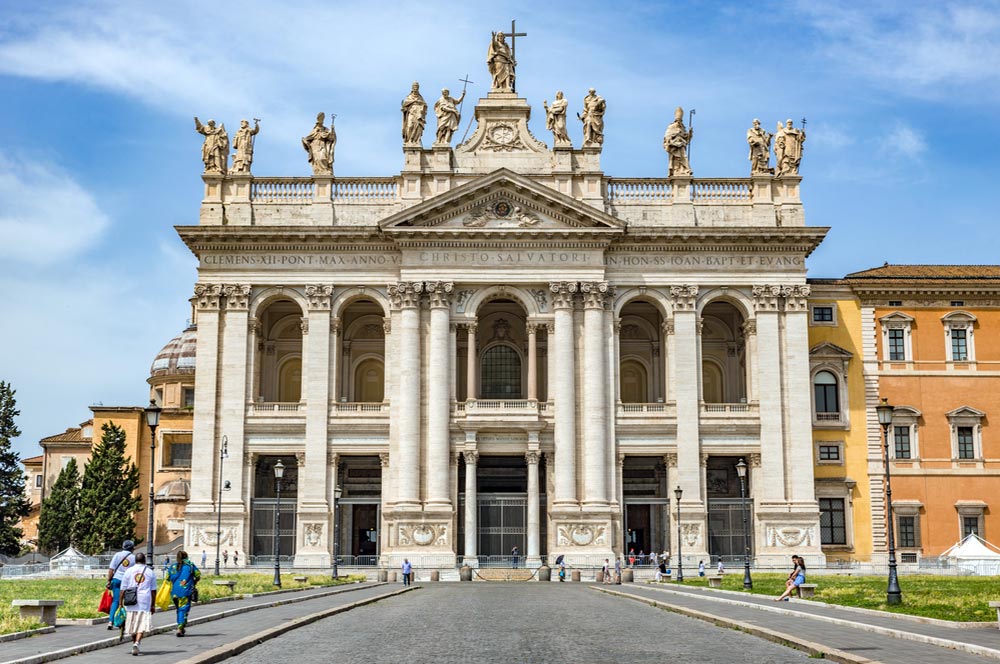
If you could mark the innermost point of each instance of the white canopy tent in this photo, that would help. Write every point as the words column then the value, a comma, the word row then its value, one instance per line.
column 973, row 554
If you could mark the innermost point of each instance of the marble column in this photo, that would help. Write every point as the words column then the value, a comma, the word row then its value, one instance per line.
column 550, row 358
column 798, row 402
column 453, row 363
column 207, row 301
column 687, row 380
column 768, row 363
column 532, row 361
column 670, row 382
column 383, row 459
column 438, row 393
column 233, row 400
column 750, row 353
column 336, row 387
column 532, row 458
column 316, row 370
column 346, row 386
column 564, row 394
column 471, row 378
column 595, row 479
column 406, row 297
column 471, row 508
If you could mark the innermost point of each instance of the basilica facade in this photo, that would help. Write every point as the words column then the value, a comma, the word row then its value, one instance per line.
column 499, row 347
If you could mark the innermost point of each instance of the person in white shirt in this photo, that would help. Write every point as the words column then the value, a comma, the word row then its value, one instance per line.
column 139, row 618
column 116, row 572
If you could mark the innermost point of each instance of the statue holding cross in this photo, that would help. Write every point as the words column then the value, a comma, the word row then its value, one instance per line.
column 500, row 58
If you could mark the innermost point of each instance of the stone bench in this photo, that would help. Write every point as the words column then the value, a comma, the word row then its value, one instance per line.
column 43, row 610
column 666, row 578
column 301, row 579
column 807, row 590
column 996, row 605
column 229, row 584
column 715, row 581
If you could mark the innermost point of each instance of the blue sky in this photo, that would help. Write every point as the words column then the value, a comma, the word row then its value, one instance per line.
column 99, row 158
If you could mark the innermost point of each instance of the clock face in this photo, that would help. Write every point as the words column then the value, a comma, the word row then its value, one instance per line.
column 503, row 134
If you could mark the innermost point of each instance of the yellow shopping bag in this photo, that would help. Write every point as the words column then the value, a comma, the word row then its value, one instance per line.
column 163, row 598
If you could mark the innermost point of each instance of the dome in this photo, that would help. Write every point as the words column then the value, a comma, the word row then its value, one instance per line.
column 177, row 357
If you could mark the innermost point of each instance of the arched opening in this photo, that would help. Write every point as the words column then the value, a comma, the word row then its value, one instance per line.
column 641, row 369
column 501, row 373
column 279, row 353
column 826, row 393
column 498, row 353
column 723, row 352
column 369, row 381
column 634, row 382
column 362, row 353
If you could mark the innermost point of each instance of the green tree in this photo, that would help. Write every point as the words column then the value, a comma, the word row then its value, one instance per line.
column 14, row 503
column 108, row 500
column 57, row 523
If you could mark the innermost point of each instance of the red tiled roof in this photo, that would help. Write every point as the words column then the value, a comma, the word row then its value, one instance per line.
column 71, row 435
column 888, row 271
column 34, row 459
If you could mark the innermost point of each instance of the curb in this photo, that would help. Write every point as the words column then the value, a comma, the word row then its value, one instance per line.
column 960, row 646
column 114, row 641
column 813, row 649
column 229, row 650
column 14, row 636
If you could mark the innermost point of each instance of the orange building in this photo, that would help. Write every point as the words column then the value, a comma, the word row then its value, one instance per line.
column 931, row 342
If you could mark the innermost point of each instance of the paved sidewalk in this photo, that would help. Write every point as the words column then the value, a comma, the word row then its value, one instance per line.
column 203, row 636
column 826, row 625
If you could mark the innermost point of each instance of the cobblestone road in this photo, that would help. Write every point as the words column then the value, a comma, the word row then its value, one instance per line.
column 485, row 623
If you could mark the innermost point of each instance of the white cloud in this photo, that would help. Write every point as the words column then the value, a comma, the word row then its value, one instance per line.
column 44, row 215
column 903, row 141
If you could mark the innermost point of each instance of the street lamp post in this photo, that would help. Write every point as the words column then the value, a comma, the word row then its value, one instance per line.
column 279, row 471
column 337, row 493
column 741, row 470
column 223, row 455
column 153, row 421
column 893, row 594
column 680, row 560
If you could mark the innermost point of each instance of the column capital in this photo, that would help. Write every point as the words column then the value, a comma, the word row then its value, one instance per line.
column 754, row 459
column 335, row 325
column 685, row 298
column 532, row 457
column 318, row 296
column 595, row 293
column 253, row 326
column 332, row 458
column 300, row 459
column 208, row 296
column 667, row 326
column 471, row 327
column 796, row 297
column 670, row 459
column 750, row 327
column 237, row 296
column 532, row 328
column 550, row 328
column 304, row 324
column 471, row 457
column 765, row 298
column 440, row 293
column 387, row 325
column 383, row 459
column 562, row 293
column 405, row 294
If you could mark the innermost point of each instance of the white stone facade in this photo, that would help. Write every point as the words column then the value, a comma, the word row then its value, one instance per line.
column 655, row 319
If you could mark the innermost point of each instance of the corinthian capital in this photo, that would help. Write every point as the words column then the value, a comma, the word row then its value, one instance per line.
column 439, row 292
column 594, row 293
column 405, row 294
column 208, row 296
column 562, row 294
column 237, row 295
column 797, row 297
column 318, row 296
column 765, row 298
column 685, row 298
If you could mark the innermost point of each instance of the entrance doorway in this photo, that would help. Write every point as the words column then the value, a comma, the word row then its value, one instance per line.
column 725, row 516
column 647, row 508
column 264, row 503
column 359, row 509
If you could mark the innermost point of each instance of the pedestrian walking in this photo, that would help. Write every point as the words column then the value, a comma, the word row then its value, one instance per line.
column 204, row 559
column 407, row 571
column 642, row 557
column 701, row 568
column 562, row 572
column 184, row 588
column 514, row 556
column 236, row 558
column 225, row 557
column 631, row 557
column 722, row 568
column 606, row 572
column 661, row 571
column 138, row 587
column 120, row 564
column 618, row 570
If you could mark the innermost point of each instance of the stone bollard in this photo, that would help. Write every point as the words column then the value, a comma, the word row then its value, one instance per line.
column 628, row 576
column 435, row 575
column 383, row 575
column 465, row 574
column 544, row 573
column 392, row 577
column 599, row 576
column 575, row 576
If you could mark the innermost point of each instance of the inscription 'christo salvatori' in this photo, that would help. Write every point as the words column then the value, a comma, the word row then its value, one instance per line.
column 703, row 261
column 504, row 258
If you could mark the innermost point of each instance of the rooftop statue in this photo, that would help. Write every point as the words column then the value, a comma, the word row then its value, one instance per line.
column 675, row 142
column 593, row 119
column 555, row 119
column 243, row 144
column 414, row 116
column 448, row 118
column 501, row 63
column 788, row 148
column 760, row 149
column 319, row 145
column 215, row 149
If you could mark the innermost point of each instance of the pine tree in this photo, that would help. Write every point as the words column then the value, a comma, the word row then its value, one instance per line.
column 108, row 500
column 57, row 523
column 14, row 503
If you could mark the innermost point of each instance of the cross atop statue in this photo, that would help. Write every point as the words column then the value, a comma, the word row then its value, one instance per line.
column 501, row 60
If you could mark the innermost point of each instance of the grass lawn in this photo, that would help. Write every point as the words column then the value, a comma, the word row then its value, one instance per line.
column 944, row 597
column 82, row 595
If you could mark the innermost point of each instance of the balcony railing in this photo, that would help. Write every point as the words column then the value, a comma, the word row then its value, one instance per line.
column 361, row 408
column 275, row 408
column 639, row 190
column 827, row 417
column 513, row 406
column 724, row 409
column 365, row 190
column 282, row 190
column 721, row 191
column 642, row 410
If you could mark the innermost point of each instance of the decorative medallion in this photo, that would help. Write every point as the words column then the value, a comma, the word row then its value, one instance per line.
column 501, row 208
column 502, row 138
column 582, row 534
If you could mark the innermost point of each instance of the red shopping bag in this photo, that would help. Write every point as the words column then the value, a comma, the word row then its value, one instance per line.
column 104, row 606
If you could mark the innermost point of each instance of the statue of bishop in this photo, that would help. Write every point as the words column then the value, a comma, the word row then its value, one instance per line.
column 243, row 144
column 319, row 145
column 215, row 149
column 675, row 142
column 760, row 149
column 592, row 117
column 788, row 148
column 414, row 116
column 446, row 110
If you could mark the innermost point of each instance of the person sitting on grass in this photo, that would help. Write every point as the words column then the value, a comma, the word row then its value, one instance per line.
column 795, row 579
column 183, row 577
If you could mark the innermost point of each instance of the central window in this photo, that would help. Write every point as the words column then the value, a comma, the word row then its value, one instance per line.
column 897, row 348
column 501, row 373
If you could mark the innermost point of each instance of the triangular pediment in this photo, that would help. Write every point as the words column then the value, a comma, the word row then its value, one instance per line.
column 502, row 201
column 828, row 349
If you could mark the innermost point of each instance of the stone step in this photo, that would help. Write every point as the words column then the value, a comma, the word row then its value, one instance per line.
column 502, row 574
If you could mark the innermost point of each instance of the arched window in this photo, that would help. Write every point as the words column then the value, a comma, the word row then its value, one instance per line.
column 369, row 381
column 633, row 382
column 712, row 383
column 290, row 380
column 501, row 373
column 827, row 395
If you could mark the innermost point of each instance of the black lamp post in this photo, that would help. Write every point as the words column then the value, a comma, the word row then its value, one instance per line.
column 337, row 493
column 680, row 560
column 279, row 471
column 153, row 421
column 223, row 455
column 893, row 594
column 741, row 470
